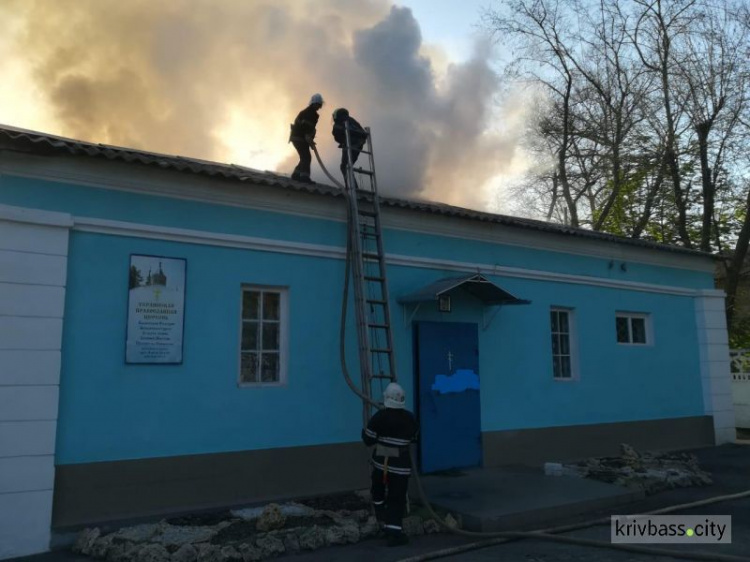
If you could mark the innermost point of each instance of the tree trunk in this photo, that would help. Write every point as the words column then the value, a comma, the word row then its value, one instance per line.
column 734, row 269
column 703, row 129
column 653, row 190
column 563, row 154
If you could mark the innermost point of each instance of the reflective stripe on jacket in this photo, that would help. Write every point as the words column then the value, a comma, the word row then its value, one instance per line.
column 391, row 431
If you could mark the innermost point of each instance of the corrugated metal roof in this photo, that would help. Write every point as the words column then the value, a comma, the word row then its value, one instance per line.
column 33, row 141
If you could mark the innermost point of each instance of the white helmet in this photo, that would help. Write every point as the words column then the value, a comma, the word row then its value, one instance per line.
column 394, row 396
column 316, row 98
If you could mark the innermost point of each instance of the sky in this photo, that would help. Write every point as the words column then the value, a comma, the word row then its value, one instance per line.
column 222, row 79
column 449, row 24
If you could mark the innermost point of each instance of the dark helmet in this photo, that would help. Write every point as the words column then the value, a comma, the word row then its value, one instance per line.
column 341, row 114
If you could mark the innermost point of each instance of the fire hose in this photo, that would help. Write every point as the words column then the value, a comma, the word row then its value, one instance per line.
column 503, row 537
column 323, row 167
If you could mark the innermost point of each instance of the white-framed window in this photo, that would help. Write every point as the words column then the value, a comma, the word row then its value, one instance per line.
column 564, row 360
column 263, row 336
column 633, row 328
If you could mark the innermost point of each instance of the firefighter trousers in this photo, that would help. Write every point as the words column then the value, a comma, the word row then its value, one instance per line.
column 389, row 499
column 302, row 171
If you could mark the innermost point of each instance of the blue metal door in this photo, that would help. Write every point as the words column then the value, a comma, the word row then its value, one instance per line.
column 448, row 386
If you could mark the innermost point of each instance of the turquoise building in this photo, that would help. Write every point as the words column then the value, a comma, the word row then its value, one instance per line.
column 169, row 338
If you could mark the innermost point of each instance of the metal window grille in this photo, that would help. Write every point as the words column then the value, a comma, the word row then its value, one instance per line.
column 561, row 355
column 260, row 350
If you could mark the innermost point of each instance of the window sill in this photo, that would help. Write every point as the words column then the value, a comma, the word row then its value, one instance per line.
column 260, row 384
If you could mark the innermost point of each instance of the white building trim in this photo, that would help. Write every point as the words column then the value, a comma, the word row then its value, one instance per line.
column 33, row 261
column 120, row 176
column 188, row 236
column 716, row 375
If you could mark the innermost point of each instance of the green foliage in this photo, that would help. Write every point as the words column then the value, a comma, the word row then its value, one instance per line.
column 739, row 333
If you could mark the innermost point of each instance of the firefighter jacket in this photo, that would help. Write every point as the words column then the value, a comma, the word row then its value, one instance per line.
column 391, row 431
column 357, row 133
column 304, row 125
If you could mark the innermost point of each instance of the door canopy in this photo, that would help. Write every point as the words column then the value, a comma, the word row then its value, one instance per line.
column 476, row 285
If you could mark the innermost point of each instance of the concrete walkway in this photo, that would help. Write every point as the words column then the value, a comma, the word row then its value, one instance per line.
column 520, row 498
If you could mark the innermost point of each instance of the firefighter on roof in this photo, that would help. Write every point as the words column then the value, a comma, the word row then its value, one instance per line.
column 302, row 135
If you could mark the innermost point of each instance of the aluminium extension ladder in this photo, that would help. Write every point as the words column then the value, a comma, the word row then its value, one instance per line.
column 376, row 353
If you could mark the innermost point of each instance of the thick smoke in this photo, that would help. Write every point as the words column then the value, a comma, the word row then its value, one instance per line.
column 223, row 79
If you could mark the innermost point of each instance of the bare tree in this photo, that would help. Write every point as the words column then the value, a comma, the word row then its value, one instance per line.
column 647, row 118
column 659, row 23
column 539, row 29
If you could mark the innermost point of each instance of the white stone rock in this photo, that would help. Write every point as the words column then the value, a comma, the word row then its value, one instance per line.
column 153, row 553
column 139, row 533
column 412, row 526
column 229, row 554
column 208, row 553
column 291, row 543
column 250, row 553
column 271, row 518
column 312, row 539
column 335, row 535
column 369, row 528
column 122, row 552
column 186, row 553
column 100, row 547
column 361, row 515
column 175, row 535
column 270, row 546
column 351, row 532
column 86, row 539
column 290, row 509
column 432, row 527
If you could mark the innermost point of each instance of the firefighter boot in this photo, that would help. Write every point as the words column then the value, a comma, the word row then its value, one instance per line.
column 396, row 538
column 380, row 514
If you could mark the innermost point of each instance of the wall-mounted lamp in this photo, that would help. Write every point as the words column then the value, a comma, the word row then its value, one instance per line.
column 444, row 303
column 624, row 266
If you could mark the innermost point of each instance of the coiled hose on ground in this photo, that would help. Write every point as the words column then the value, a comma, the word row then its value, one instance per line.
column 498, row 538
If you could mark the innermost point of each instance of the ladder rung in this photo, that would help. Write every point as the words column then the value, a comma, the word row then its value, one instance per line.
column 381, row 376
column 363, row 171
column 370, row 255
column 366, row 213
column 373, row 278
column 380, row 350
column 376, row 301
column 380, row 326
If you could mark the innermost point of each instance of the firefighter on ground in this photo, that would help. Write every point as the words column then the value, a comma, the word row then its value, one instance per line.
column 302, row 135
column 391, row 430
column 357, row 136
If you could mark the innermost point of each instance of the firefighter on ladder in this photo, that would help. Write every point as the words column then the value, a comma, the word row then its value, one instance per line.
column 302, row 136
column 357, row 136
column 391, row 430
